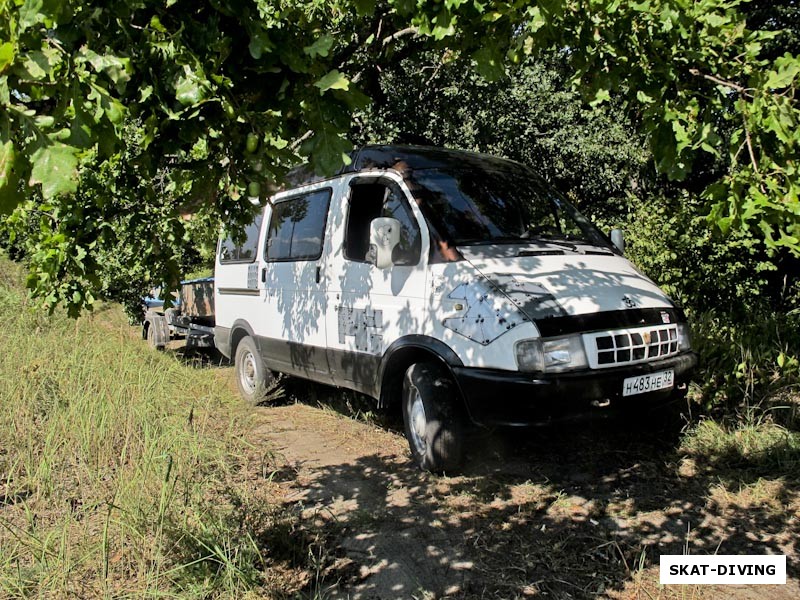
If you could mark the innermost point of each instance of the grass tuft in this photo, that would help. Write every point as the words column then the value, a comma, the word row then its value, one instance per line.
column 114, row 463
column 755, row 446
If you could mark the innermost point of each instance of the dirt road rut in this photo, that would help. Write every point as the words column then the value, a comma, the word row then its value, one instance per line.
column 564, row 513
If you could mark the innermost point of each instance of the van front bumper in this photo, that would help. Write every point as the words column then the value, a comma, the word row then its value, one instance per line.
column 510, row 398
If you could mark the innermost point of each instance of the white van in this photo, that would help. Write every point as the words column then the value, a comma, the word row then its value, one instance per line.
column 455, row 285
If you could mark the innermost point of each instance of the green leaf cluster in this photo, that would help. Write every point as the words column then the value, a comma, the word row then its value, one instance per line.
column 130, row 131
column 158, row 99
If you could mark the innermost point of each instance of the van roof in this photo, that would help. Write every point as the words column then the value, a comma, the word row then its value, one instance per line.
column 401, row 159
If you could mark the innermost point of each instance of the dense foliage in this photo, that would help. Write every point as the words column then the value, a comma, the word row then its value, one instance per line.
column 533, row 116
column 119, row 118
column 122, row 119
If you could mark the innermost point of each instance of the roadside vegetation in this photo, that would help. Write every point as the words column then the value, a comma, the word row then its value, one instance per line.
column 123, row 472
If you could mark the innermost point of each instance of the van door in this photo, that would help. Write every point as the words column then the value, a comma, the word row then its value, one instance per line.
column 236, row 278
column 291, row 326
column 368, row 307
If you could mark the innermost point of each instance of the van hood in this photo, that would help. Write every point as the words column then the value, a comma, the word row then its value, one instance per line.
column 557, row 283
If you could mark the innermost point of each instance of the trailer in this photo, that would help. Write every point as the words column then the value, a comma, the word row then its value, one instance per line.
column 191, row 316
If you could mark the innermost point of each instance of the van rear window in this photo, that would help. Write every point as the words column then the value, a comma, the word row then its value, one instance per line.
column 297, row 227
column 237, row 250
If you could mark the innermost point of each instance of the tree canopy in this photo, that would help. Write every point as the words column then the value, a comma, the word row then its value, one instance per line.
column 121, row 119
column 533, row 115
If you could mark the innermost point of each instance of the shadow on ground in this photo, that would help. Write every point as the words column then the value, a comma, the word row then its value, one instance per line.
column 197, row 358
column 571, row 511
column 563, row 511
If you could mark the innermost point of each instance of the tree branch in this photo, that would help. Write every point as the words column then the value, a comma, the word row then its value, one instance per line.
column 752, row 154
column 296, row 144
column 398, row 34
column 723, row 82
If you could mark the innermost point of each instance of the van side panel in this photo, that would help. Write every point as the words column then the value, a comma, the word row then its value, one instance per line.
column 290, row 325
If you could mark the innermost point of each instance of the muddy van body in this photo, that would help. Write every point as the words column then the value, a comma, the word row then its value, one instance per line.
column 457, row 286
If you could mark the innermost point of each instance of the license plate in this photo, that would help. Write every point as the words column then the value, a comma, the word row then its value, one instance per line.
column 648, row 383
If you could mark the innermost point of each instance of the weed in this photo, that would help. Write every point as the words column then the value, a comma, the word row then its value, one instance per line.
column 749, row 369
column 757, row 446
column 107, row 488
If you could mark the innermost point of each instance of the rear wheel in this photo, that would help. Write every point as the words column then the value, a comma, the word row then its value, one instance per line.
column 157, row 331
column 252, row 378
column 151, row 337
column 433, row 418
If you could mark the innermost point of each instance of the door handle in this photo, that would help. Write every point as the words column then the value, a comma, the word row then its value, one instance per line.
column 263, row 274
column 319, row 273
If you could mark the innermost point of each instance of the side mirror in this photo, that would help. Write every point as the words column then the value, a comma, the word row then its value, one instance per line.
column 384, row 235
column 618, row 239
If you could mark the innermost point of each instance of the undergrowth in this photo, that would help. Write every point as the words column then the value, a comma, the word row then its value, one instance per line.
column 749, row 371
column 745, row 448
column 115, row 464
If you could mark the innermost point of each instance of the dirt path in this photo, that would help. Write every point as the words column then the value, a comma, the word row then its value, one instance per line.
column 360, row 478
column 579, row 512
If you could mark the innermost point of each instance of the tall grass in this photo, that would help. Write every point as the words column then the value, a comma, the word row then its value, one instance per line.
column 113, row 463
column 749, row 370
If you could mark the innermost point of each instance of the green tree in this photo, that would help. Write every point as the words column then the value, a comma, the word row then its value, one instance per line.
column 780, row 16
column 148, row 109
column 533, row 116
column 122, row 119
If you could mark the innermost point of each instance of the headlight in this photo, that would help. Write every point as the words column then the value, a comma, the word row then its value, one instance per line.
column 555, row 355
column 564, row 353
column 684, row 339
column 529, row 356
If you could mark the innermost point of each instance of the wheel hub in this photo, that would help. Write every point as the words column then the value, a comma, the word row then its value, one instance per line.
column 247, row 374
column 418, row 423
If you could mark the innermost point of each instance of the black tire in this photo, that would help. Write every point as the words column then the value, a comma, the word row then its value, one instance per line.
column 433, row 418
column 252, row 378
column 669, row 419
column 151, row 338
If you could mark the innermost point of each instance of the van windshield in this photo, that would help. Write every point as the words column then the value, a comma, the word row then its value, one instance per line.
column 503, row 204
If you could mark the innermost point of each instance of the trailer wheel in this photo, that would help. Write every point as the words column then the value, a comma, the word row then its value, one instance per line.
column 157, row 333
column 151, row 337
column 252, row 378
column 433, row 418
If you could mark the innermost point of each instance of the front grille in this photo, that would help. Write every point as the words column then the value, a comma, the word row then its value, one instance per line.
column 634, row 345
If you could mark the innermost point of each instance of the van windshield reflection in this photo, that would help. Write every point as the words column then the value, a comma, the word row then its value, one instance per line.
column 498, row 205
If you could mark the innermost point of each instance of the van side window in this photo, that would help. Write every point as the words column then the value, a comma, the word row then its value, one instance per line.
column 370, row 201
column 297, row 227
column 245, row 250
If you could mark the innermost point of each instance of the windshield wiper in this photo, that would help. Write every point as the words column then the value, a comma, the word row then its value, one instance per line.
column 550, row 239
column 494, row 240
column 541, row 252
column 540, row 239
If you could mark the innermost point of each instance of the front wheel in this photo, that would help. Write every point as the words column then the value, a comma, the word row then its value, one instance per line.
column 433, row 418
column 253, row 379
